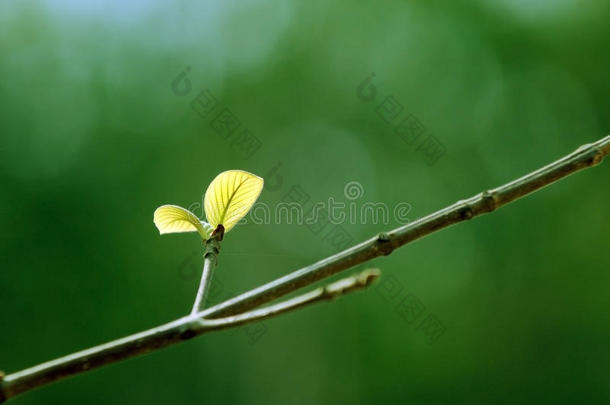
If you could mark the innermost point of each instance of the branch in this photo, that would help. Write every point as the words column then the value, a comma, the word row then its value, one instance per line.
column 383, row 244
column 174, row 332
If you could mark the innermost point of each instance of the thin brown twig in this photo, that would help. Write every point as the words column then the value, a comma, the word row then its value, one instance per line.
column 174, row 332
column 383, row 244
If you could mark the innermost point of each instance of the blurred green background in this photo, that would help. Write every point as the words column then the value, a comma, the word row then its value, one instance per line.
column 95, row 135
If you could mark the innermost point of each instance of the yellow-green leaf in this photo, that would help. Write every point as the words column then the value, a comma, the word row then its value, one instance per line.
column 175, row 219
column 230, row 196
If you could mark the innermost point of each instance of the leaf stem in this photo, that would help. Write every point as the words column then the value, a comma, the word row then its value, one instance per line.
column 210, row 259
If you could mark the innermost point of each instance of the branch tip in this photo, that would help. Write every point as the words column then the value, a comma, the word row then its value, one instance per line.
column 600, row 149
column 349, row 284
column 219, row 232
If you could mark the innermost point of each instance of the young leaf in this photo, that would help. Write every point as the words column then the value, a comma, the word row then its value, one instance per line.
column 175, row 219
column 230, row 196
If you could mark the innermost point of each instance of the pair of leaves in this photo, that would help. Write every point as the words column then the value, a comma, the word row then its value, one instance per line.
column 228, row 199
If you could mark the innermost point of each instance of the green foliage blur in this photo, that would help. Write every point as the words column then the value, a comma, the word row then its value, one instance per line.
column 98, row 128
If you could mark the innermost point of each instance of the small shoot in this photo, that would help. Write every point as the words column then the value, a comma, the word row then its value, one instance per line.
column 227, row 199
